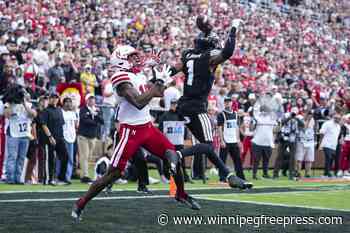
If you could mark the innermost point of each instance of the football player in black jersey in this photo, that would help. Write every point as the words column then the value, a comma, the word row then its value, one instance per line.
column 199, row 65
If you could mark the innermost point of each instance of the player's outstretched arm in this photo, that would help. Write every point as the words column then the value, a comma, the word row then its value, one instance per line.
column 127, row 91
column 227, row 51
column 220, row 57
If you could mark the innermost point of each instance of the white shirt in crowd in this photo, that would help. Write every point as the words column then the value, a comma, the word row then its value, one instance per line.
column 1, row 108
column 308, row 138
column 169, row 94
column 20, row 122
column 330, row 130
column 69, row 131
column 263, row 135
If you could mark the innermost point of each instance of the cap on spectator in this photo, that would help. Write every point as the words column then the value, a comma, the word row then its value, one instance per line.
column 4, row 50
column 43, row 97
column 88, row 96
column 87, row 66
column 54, row 95
column 227, row 98
column 11, row 41
column 173, row 101
column 251, row 96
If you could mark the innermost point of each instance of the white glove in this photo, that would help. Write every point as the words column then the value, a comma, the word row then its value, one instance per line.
column 164, row 74
column 236, row 23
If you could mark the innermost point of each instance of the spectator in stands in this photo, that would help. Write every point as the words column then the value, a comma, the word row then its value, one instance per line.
column 247, row 133
column 52, row 122
column 263, row 140
column 345, row 148
column 55, row 75
column 229, row 138
column 43, row 141
column 173, row 127
column 170, row 94
column 329, row 140
column 69, row 69
column 69, row 133
column 88, row 80
column 90, row 119
column 291, row 129
column 305, row 148
column 20, row 118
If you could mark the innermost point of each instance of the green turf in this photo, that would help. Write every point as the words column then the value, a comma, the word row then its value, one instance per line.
column 213, row 182
column 328, row 199
column 140, row 215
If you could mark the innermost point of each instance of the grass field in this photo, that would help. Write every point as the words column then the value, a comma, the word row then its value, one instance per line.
column 39, row 209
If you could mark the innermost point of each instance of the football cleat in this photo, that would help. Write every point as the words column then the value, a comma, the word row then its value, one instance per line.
column 76, row 213
column 236, row 182
column 108, row 189
column 189, row 202
column 144, row 190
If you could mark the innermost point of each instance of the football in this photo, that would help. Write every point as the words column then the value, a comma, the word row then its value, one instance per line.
column 203, row 24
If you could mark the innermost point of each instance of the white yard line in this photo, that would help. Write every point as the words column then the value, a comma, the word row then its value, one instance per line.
column 275, row 204
column 74, row 199
column 200, row 196
column 114, row 190
column 164, row 189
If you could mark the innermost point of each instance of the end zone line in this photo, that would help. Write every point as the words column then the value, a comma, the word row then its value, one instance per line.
column 165, row 189
column 76, row 198
column 273, row 204
column 199, row 196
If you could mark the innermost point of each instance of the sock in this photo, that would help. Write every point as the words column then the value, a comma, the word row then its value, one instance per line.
column 97, row 187
column 81, row 202
column 180, row 183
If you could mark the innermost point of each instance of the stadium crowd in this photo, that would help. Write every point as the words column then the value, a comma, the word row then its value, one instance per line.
column 298, row 55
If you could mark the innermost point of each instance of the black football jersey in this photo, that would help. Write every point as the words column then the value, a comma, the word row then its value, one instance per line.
column 199, row 77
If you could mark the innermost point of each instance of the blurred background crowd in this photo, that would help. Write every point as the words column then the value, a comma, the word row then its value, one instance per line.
column 296, row 51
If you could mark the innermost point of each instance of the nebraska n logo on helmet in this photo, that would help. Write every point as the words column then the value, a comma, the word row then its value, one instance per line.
column 120, row 58
column 125, row 62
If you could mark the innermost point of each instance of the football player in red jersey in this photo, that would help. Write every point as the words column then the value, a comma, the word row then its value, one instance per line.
column 136, row 128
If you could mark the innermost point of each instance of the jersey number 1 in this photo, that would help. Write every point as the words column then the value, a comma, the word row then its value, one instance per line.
column 190, row 68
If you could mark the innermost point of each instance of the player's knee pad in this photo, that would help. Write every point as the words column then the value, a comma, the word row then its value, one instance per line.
column 173, row 159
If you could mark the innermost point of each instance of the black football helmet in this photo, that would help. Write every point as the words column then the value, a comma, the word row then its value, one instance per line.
column 206, row 42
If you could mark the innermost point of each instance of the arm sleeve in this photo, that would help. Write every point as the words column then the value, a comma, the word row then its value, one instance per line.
column 230, row 44
column 120, row 78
